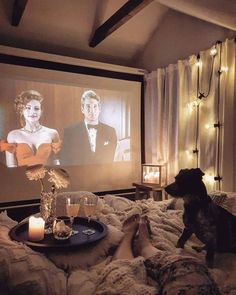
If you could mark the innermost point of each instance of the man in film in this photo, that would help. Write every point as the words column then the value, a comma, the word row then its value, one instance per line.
column 89, row 141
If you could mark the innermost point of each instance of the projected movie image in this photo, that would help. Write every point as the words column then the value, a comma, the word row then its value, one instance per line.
column 87, row 125
column 33, row 143
column 90, row 140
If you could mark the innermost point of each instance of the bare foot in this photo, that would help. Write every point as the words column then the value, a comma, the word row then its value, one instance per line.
column 130, row 225
column 143, row 240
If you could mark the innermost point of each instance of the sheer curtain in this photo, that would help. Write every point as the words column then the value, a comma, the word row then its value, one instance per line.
column 177, row 122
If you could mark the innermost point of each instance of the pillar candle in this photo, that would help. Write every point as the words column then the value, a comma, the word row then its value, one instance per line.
column 36, row 228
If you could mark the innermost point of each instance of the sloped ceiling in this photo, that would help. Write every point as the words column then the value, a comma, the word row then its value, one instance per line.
column 66, row 27
column 219, row 12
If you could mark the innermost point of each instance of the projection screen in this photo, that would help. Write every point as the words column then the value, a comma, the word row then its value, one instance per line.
column 62, row 86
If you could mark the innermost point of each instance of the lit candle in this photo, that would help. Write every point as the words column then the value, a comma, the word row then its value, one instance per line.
column 152, row 177
column 157, row 177
column 36, row 228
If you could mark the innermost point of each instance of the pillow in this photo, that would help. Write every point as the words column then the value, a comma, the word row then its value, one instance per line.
column 24, row 271
column 118, row 203
column 6, row 221
column 176, row 204
column 226, row 200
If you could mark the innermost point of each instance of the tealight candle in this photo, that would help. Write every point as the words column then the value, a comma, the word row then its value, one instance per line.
column 36, row 228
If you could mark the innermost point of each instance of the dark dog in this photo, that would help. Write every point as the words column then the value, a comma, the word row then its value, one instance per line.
column 214, row 226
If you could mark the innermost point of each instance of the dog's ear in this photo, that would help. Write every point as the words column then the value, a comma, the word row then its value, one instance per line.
column 181, row 173
column 199, row 172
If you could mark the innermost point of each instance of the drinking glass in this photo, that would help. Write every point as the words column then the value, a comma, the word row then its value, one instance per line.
column 90, row 206
column 72, row 210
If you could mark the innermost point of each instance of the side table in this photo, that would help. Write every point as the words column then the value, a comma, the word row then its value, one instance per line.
column 149, row 191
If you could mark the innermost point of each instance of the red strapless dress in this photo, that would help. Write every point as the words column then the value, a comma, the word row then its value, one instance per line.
column 26, row 156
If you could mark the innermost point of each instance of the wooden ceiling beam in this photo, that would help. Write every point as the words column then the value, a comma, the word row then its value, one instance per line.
column 119, row 18
column 18, row 10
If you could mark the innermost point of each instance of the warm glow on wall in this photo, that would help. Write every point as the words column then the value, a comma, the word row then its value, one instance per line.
column 209, row 178
column 189, row 154
column 210, row 129
column 214, row 125
column 209, row 125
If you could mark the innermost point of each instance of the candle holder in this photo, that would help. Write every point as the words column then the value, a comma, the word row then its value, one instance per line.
column 154, row 174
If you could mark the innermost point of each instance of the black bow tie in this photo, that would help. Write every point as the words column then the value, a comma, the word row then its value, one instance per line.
column 92, row 126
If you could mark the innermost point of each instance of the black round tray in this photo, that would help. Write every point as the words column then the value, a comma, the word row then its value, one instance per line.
column 20, row 234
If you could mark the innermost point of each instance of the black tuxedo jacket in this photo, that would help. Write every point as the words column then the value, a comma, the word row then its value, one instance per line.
column 76, row 147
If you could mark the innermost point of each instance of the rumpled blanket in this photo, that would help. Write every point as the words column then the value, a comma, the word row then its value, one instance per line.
column 116, row 277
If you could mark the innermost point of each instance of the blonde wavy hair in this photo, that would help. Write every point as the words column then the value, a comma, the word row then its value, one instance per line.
column 22, row 99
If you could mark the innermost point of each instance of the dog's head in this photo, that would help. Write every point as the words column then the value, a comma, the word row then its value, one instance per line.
column 188, row 181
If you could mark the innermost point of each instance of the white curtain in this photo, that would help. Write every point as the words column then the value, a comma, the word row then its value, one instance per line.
column 171, row 132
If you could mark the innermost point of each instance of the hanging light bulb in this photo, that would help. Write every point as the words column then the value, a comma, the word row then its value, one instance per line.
column 189, row 154
column 196, row 102
column 209, row 178
column 210, row 128
column 213, row 51
column 208, row 125
column 191, row 105
column 198, row 63
column 224, row 69
column 211, row 125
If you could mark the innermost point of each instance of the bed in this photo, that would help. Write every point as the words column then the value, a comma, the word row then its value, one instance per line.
column 90, row 271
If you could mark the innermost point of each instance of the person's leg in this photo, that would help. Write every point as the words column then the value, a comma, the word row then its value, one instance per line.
column 124, row 250
column 145, row 247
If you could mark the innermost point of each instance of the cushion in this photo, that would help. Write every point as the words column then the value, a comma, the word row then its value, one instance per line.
column 119, row 203
column 176, row 204
column 24, row 271
column 226, row 200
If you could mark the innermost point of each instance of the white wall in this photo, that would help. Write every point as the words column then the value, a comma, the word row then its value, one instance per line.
column 178, row 37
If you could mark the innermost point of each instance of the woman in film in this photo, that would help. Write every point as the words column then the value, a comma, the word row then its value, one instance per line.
column 34, row 143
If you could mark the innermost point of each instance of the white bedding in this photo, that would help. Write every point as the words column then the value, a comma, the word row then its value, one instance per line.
column 92, row 272
column 166, row 226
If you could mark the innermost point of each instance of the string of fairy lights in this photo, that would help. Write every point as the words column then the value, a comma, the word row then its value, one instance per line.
column 201, row 96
